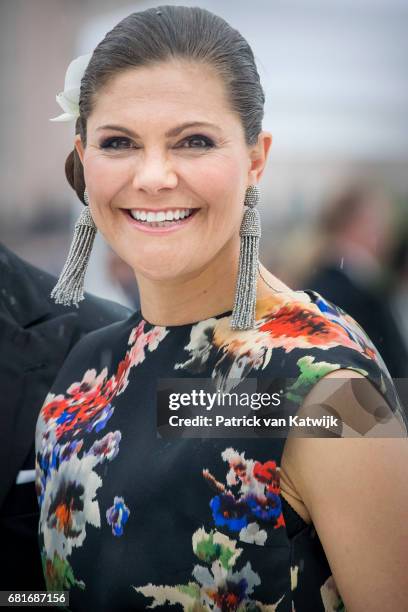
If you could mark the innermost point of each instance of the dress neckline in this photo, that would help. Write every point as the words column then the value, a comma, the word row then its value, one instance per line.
column 139, row 316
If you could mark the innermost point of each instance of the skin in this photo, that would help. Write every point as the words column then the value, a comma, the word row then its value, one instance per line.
column 188, row 276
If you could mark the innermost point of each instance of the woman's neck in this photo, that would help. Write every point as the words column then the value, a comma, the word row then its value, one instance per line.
column 189, row 298
column 200, row 295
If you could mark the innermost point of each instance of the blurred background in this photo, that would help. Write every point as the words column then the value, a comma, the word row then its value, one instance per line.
column 335, row 193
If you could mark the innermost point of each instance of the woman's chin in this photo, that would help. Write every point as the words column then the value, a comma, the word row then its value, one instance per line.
column 166, row 272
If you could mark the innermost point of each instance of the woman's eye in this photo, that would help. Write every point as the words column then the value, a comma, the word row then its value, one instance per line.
column 116, row 143
column 197, row 142
column 120, row 143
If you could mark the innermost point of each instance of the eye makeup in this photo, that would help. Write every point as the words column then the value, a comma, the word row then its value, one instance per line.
column 120, row 143
column 117, row 143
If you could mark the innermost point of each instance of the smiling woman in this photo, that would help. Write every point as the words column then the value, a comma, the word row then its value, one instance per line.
column 168, row 151
column 141, row 159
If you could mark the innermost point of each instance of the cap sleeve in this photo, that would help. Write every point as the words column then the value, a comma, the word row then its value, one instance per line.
column 337, row 342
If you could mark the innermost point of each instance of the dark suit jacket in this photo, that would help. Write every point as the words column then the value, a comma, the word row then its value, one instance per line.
column 369, row 309
column 35, row 338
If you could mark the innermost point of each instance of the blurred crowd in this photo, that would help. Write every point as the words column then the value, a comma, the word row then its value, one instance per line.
column 355, row 253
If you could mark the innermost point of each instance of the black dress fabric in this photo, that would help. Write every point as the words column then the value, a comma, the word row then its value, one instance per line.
column 130, row 520
column 36, row 336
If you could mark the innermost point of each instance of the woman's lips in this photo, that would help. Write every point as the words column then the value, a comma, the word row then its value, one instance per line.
column 148, row 229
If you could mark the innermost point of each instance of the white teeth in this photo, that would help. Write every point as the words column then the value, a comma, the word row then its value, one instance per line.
column 161, row 216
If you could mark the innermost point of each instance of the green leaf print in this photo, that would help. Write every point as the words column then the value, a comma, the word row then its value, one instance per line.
column 310, row 374
column 59, row 575
column 208, row 551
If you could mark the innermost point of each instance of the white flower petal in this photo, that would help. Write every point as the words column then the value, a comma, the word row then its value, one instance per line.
column 69, row 101
column 75, row 71
column 80, row 472
column 220, row 574
column 253, row 535
column 294, row 577
column 167, row 595
column 69, row 98
column 63, row 117
column 203, row 576
column 249, row 575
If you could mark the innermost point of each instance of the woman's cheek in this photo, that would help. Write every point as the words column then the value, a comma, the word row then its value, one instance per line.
column 106, row 177
column 212, row 179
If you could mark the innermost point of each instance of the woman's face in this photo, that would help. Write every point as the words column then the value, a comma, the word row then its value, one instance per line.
column 163, row 139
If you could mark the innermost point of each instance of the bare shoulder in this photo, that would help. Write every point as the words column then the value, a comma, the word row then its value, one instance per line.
column 362, row 412
column 340, row 481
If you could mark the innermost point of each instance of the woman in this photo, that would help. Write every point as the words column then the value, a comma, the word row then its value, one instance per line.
column 169, row 147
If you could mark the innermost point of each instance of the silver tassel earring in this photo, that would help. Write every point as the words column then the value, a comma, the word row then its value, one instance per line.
column 70, row 286
column 243, row 314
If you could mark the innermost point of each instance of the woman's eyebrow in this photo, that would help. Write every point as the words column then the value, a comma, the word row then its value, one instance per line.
column 173, row 132
column 188, row 124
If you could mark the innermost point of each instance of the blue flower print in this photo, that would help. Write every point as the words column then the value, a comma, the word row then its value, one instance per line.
column 117, row 515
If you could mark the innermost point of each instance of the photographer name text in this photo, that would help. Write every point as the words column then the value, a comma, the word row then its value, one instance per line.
column 253, row 421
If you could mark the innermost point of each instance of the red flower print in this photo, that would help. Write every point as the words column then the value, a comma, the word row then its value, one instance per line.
column 54, row 406
column 268, row 474
column 298, row 325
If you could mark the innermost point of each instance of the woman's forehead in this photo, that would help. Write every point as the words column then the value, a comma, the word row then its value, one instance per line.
column 163, row 89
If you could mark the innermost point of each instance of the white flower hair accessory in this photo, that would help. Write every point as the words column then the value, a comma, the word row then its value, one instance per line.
column 69, row 98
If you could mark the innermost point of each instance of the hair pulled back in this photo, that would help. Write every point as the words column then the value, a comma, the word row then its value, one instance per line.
column 166, row 32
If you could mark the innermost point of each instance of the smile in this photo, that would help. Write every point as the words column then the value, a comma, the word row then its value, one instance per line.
column 160, row 221
column 160, row 216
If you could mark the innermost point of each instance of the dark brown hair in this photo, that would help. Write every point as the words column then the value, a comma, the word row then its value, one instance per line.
column 166, row 32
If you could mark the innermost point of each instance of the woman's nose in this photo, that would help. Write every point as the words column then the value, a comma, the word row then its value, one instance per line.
column 154, row 172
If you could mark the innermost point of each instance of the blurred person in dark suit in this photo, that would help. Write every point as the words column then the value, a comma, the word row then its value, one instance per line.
column 399, row 284
column 122, row 276
column 35, row 337
column 358, row 229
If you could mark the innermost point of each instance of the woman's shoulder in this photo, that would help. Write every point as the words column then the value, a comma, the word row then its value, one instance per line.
column 302, row 336
column 327, row 343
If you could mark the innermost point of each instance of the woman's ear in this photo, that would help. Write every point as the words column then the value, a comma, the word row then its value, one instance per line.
column 79, row 147
column 258, row 157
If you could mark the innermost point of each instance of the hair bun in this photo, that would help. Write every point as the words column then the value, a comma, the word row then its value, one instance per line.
column 75, row 174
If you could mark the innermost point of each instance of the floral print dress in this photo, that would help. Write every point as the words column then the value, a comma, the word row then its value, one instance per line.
column 130, row 521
